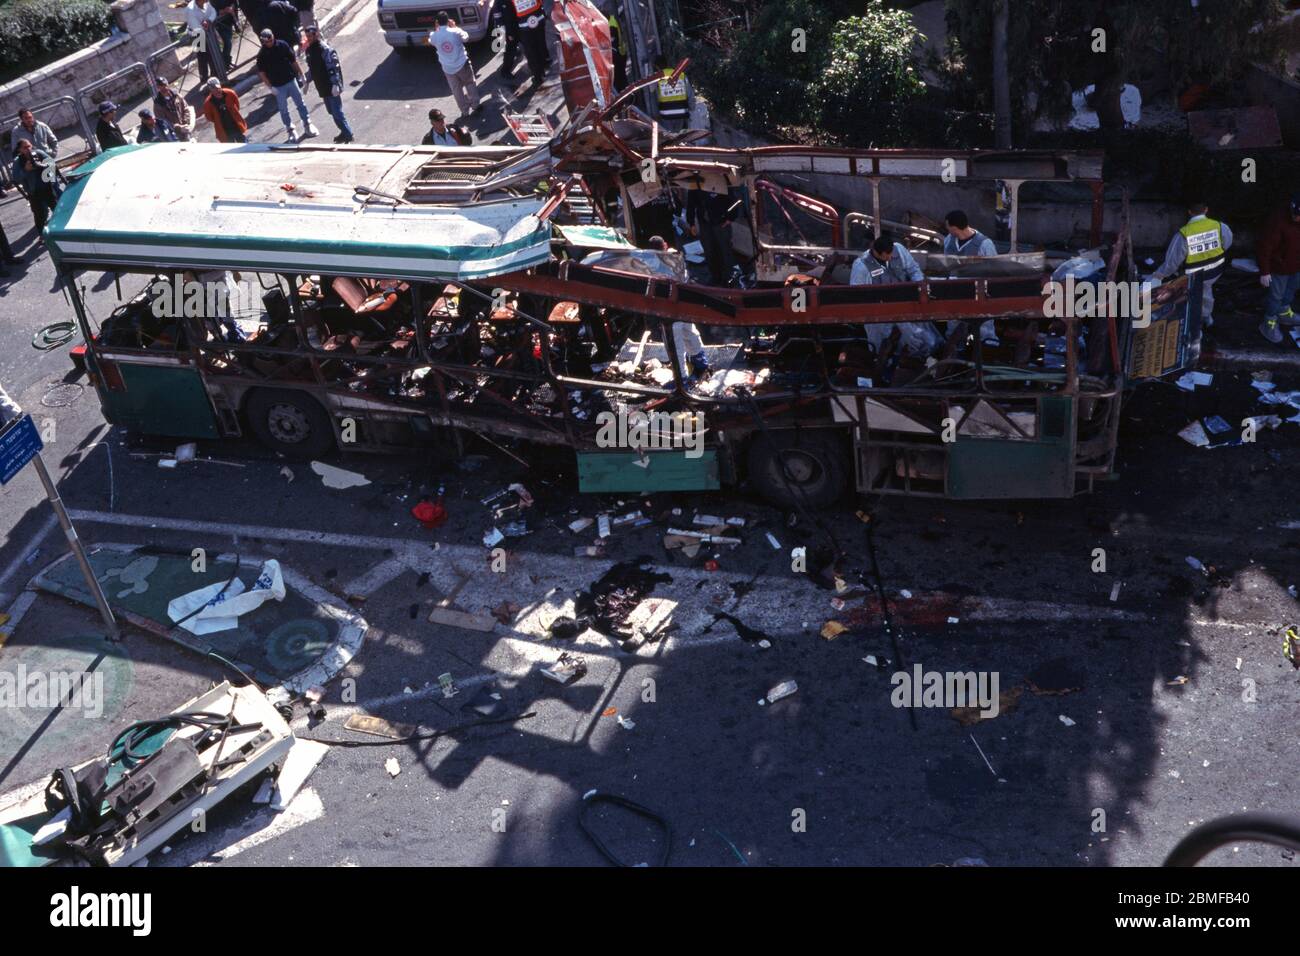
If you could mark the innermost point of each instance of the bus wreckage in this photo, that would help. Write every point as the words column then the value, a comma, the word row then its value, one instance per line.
column 513, row 294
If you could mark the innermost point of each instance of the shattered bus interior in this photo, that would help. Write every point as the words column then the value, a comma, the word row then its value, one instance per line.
column 510, row 293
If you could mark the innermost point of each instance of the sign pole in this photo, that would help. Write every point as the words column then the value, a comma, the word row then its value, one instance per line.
column 20, row 444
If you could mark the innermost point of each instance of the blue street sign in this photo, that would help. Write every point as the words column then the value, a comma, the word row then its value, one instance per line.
column 19, row 444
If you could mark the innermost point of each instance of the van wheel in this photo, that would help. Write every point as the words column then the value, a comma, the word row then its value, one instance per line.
column 291, row 423
column 816, row 468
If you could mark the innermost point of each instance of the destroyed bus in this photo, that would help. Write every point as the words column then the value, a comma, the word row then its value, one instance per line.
column 399, row 295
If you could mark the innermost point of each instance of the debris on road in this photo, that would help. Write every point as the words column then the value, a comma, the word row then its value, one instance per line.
column 218, row 607
column 367, row 724
column 392, row 766
column 448, row 686
column 832, row 629
column 469, row 622
column 340, row 478
column 626, row 723
column 566, row 670
column 1008, row 701
column 779, row 692
column 1066, row 720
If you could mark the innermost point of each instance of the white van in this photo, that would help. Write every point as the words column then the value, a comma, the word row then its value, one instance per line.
column 406, row 23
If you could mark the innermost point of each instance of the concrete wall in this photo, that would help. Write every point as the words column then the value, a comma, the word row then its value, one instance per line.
column 140, row 31
column 1268, row 89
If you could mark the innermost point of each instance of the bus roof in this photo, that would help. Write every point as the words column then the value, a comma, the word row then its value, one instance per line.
column 277, row 209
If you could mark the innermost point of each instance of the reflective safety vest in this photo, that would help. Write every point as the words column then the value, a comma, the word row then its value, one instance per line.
column 672, row 96
column 1204, row 244
column 526, row 8
column 616, row 30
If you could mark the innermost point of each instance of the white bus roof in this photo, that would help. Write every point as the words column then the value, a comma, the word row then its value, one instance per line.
column 293, row 210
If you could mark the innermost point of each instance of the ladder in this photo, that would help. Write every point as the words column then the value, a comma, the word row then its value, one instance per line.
column 530, row 128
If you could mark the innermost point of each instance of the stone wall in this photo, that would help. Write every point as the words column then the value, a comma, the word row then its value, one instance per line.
column 139, row 31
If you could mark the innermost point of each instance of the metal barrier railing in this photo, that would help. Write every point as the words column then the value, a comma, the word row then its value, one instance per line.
column 11, row 121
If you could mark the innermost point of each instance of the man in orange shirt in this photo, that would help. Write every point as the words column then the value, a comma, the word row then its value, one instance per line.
column 222, row 110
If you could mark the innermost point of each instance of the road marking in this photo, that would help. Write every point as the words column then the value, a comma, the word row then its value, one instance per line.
column 264, row 825
column 365, row 14
column 374, row 579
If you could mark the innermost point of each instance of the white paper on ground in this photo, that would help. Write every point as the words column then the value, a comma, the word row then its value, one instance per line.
column 338, row 477
column 221, row 611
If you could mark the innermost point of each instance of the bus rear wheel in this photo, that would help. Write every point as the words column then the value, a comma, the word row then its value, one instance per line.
column 291, row 423
column 814, row 465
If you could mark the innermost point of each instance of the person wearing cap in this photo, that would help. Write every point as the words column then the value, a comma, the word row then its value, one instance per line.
column 171, row 106
column 154, row 130
column 1200, row 246
column 327, row 73
column 1278, row 252
column 279, row 69
column 221, row 107
column 440, row 134
column 449, row 40
column 107, row 131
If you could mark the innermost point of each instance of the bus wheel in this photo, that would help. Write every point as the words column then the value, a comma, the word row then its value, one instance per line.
column 292, row 423
column 816, row 472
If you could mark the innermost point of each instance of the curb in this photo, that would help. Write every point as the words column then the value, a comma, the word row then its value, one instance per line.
column 1253, row 359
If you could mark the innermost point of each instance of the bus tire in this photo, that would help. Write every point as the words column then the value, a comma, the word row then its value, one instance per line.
column 290, row 422
column 816, row 468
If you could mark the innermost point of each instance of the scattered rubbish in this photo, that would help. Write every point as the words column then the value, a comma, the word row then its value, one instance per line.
column 954, row 620
column 287, row 473
column 1196, row 565
column 1290, row 589
column 1178, row 681
column 771, row 539
column 430, row 514
column 1067, row 721
column 593, row 797
column 582, row 524
column 566, row 628
column 1190, row 381
column 334, row 477
column 469, row 622
column 166, row 462
column 609, row 712
column 837, row 603
column 187, row 451
column 485, row 702
column 448, row 686
column 985, row 758
column 602, row 526
column 780, row 691
column 905, row 593
column 832, row 629
column 493, row 538
column 871, row 659
column 505, row 611
column 611, row 600
column 218, row 607
column 1238, row 663
column 525, row 498
column 566, row 670
column 625, row 723
column 392, row 766
column 366, row 724
column 711, row 565
column 589, row 551
column 1114, row 590
column 262, row 796
column 1291, row 646
column 743, row 630
column 969, row 861
column 515, row 529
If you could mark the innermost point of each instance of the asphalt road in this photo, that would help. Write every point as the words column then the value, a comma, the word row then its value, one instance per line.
column 1179, row 701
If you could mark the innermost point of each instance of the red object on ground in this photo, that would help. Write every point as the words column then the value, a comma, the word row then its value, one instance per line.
column 430, row 513
column 587, row 72
column 710, row 565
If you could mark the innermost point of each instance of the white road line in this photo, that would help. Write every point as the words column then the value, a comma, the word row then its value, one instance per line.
column 264, row 825
column 246, row 530
column 374, row 579
column 362, row 16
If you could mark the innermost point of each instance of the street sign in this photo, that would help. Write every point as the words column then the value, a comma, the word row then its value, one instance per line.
column 19, row 444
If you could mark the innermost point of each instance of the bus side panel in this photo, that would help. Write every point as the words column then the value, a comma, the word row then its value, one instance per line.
column 996, row 468
column 161, row 400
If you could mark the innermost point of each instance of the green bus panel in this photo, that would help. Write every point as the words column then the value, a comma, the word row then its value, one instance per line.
column 161, row 400
column 998, row 468
column 610, row 471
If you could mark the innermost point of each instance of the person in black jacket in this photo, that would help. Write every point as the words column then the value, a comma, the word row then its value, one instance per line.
column 281, row 18
column 107, row 131
column 503, row 18
column 327, row 73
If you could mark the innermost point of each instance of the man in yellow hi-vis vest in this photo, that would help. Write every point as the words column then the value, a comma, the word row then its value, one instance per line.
column 1201, row 246
column 672, row 97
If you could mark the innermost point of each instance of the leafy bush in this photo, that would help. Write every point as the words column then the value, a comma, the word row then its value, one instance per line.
column 36, row 32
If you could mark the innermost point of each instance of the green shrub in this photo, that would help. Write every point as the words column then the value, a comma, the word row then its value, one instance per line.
column 34, row 33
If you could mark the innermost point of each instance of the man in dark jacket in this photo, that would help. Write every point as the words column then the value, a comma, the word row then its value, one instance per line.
column 154, row 129
column 1278, row 253
column 327, row 73
column 709, row 217
column 503, row 18
column 35, row 171
column 107, row 131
